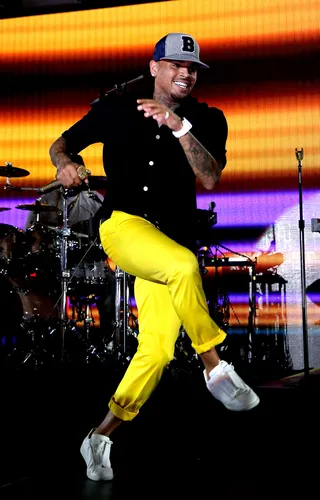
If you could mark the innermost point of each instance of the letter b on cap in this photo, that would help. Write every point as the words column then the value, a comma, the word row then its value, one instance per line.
column 187, row 44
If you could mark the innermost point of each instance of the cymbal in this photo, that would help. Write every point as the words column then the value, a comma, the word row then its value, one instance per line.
column 39, row 207
column 10, row 171
column 3, row 209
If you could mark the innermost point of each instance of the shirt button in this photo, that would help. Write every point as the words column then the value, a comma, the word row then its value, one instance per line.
column 157, row 136
column 151, row 162
column 145, row 188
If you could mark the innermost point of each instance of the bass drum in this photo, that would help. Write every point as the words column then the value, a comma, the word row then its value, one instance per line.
column 24, row 312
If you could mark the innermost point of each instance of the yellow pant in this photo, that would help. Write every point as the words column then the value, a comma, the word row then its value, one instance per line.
column 168, row 293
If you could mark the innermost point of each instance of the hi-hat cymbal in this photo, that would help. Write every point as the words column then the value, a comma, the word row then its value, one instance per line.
column 10, row 171
column 3, row 209
column 39, row 207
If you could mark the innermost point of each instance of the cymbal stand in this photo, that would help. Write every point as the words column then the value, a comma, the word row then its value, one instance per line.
column 65, row 272
column 8, row 184
column 121, row 324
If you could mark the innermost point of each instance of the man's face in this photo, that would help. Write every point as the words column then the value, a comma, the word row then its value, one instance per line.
column 175, row 79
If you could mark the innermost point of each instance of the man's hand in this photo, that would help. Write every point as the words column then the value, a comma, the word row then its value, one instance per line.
column 161, row 113
column 68, row 174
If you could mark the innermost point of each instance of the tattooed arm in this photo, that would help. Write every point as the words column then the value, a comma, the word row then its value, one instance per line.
column 205, row 167
column 67, row 172
column 58, row 154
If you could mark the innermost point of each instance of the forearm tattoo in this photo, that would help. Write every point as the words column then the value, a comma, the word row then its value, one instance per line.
column 57, row 151
column 205, row 167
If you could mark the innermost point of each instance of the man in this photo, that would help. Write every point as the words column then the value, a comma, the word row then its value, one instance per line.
column 154, row 150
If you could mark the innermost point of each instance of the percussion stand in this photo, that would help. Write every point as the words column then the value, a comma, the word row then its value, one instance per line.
column 83, row 314
column 121, row 324
column 65, row 272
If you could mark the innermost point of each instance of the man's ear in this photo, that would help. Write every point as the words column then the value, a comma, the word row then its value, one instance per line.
column 153, row 65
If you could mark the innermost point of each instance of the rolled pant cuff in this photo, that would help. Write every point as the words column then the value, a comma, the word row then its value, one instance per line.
column 200, row 349
column 120, row 412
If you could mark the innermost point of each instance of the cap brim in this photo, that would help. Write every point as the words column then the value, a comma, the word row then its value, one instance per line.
column 182, row 57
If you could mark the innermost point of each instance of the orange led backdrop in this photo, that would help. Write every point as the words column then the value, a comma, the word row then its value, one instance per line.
column 264, row 75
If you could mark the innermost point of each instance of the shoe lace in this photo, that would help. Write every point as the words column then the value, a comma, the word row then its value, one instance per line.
column 238, row 390
column 227, row 368
column 99, row 452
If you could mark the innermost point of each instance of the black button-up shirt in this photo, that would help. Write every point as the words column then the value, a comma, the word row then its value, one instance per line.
column 147, row 171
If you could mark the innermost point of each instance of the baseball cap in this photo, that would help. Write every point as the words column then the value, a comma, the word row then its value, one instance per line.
column 178, row 47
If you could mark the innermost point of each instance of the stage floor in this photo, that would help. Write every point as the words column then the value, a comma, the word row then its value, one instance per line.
column 183, row 444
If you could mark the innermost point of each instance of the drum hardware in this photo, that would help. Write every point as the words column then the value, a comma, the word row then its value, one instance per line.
column 28, row 321
column 65, row 232
column 82, row 312
column 39, row 340
column 31, row 324
column 67, row 274
column 217, row 297
column 117, row 346
column 93, row 275
column 205, row 220
column 93, row 344
column 121, row 325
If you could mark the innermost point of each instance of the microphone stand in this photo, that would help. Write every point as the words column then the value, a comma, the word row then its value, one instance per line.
column 299, row 156
column 118, row 87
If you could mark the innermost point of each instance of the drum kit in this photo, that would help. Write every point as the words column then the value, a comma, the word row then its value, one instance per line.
column 53, row 278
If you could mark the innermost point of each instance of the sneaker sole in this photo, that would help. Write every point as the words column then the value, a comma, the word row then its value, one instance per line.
column 97, row 477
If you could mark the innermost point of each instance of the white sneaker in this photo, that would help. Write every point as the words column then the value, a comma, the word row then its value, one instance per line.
column 226, row 386
column 95, row 450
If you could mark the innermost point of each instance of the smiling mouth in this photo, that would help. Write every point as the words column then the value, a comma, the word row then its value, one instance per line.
column 182, row 85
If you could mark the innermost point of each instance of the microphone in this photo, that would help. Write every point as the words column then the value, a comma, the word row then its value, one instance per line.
column 82, row 173
column 299, row 154
column 51, row 186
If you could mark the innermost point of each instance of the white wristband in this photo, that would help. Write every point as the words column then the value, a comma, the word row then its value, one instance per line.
column 186, row 126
